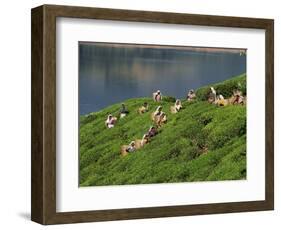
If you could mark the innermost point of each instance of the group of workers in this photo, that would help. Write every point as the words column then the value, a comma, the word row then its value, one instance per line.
column 139, row 143
column 236, row 98
column 159, row 117
column 111, row 120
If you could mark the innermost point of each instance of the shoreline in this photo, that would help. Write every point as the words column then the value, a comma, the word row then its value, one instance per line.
column 174, row 47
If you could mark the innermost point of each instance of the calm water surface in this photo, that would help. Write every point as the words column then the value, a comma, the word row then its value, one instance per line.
column 109, row 74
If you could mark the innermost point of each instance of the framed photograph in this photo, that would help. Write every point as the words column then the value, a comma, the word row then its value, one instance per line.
column 140, row 114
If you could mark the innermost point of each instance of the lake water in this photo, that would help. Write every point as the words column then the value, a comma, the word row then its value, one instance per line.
column 111, row 74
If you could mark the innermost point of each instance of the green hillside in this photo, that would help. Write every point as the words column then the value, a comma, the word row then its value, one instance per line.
column 202, row 142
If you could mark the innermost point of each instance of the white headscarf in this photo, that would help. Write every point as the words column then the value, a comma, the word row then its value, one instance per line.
column 108, row 118
column 158, row 108
column 213, row 90
column 178, row 102
column 132, row 143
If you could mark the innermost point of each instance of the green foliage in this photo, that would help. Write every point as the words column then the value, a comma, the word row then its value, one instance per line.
column 201, row 142
column 225, row 88
column 169, row 99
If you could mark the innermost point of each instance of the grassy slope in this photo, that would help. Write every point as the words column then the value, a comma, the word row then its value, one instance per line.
column 176, row 153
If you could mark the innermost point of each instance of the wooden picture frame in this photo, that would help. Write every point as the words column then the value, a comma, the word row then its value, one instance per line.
column 43, row 207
